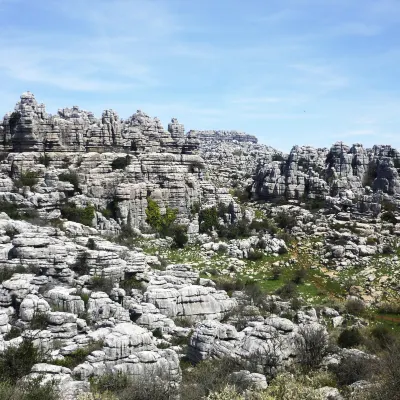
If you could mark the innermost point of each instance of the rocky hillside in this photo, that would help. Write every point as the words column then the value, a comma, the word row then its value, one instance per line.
column 141, row 263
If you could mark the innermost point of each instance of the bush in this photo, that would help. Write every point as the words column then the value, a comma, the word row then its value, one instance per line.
column 160, row 223
column 91, row 244
column 352, row 368
column 120, row 163
column 79, row 355
column 228, row 284
column 101, row 284
column 13, row 119
column 44, row 159
column 285, row 220
column 355, row 306
column 278, row 157
column 264, row 225
column 81, row 265
column 71, row 177
column 206, row 377
column 383, row 336
column 243, row 195
column 208, row 219
column 255, row 255
column 149, row 387
column 388, row 216
column 371, row 241
column 17, row 361
column 388, row 374
column 83, row 215
column 287, row 291
column 179, row 234
column 276, row 272
column 350, row 338
column 29, row 178
column 299, row 275
column 33, row 389
column 388, row 308
column 39, row 321
column 311, row 346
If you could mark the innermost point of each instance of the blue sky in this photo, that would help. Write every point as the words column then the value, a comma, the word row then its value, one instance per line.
column 306, row 72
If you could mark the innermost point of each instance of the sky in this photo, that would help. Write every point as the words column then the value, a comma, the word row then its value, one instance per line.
column 291, row 72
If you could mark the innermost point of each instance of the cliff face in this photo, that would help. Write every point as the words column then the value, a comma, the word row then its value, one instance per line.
column 116, row 162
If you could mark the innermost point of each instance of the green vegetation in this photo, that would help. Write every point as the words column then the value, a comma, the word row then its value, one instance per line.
column 160, row 223
column 120, row 162
column 83, row 215
column 17, row 361
column 14, row 119
column 78, row 356
column 29, row 178
column 44, row 159
column 71, row 177
column 12, row 210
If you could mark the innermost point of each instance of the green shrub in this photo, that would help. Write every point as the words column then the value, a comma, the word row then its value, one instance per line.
column 208, row 219
column 255, row 255
column 81, row 265
column 276, row 272
column 389, row 308
column 179, row 234
column 14, row 118
column 160, row 223
column 383, row 336
column 388, row 206
column 350, row 338
column 206, row 377
column 6, row 273
column 130, row 283
column 71, row 177
column 388, row 216
column 39, row 321
column 91, row 244
column 371, row 241
column 287, row 291
column 32, row 389
column 278, row 157
column 79, row 355
column 299, row 276
column 285, row 220
column 311, row 346
column 17, row 361
column 224, row 282
column 101, row 284
column 120, row 163
column 195, row 208
column 243, row 195
column 352, row 368
column 315, row 204
column 44, row 159
column 13, row 333
column 29, row 178
column 84, row 215
column 124, row 387
column 355, row 307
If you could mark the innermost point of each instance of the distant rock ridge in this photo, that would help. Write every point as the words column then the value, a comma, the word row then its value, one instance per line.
column 30, row 128
column 223, row 136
